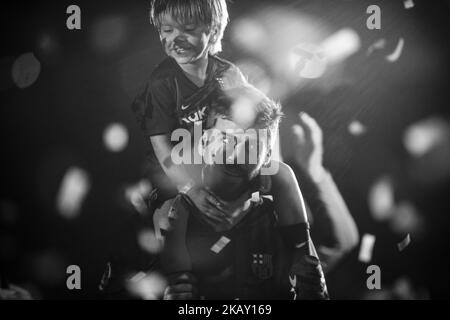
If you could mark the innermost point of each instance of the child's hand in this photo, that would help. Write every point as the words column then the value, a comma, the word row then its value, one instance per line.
column 208, row 204
column 309, row 142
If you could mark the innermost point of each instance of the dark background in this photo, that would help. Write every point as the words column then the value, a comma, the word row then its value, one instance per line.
column 58, row 122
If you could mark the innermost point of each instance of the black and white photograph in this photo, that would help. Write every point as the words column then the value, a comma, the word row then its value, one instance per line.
column 225, row 150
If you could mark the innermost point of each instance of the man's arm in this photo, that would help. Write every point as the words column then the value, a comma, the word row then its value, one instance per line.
column 288, row 199
column 333, row 228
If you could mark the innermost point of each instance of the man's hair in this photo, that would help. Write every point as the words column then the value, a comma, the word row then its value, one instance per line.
column 267, row 113
column 212, row 13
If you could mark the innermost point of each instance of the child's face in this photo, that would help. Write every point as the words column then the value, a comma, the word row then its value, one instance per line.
column 187, row 43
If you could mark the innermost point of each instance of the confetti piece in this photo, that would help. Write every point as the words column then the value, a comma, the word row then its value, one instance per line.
column 147, row 286
column 115, row 137
column 136, row 195
column 341, row 45
column 249, row 34
column 308, row 61
column 356, row 128
column 108, row 33
column 381, row 199
column 406, row 219
column 394, row 56
column 377, row 45
column 367, row 244
column 220, row 245
column 408, row 4
column 148, row 241
column 256, row 197
column 404, row 243
column 421, row 137
column 74, row 187
column 26, row 70
column 138, row 277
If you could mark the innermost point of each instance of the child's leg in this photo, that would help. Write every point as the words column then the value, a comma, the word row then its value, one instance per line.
column 175, row 257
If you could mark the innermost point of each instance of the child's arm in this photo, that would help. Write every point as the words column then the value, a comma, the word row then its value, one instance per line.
column 154, row 108
column 178, row 174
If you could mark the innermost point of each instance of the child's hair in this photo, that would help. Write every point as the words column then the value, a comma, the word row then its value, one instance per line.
column 212, row 13
column 267, row 113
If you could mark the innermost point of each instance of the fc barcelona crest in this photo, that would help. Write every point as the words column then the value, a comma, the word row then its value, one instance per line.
column 262, row 266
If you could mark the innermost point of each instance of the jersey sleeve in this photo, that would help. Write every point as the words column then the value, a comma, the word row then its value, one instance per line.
column 233, row 78
column 154, row 108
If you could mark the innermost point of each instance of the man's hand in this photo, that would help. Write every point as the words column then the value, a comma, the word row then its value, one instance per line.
column 309, row 146
column 183, row 288
column 208, row 204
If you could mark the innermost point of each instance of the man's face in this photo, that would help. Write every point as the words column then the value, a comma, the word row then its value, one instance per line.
column 186, row 43
column 231, row 182
column 234, row 155
column 236, row 143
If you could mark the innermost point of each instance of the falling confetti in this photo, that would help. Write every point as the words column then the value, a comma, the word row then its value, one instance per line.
column 147, row 286
column 394, row 56
column 421, row 137
column 74, row 187
column 406, row 218
column 404, row 243
column 341, row 45
column 256, row 197
column 147, row 241
column 356, row 128
column 308, row 61
column 115, row 137
column 408, row 4
column 136, row 195
column 249, row 34
column 26, row 70
column 381, row 199
column 220, row 245
column 365, row 252
column 138, row 276
column 377, row 45
column 293, row 281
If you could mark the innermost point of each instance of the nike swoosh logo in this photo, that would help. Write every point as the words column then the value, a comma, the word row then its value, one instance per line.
column 183, row 107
